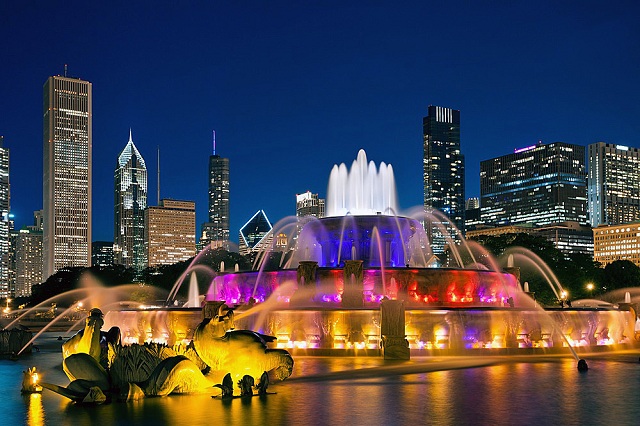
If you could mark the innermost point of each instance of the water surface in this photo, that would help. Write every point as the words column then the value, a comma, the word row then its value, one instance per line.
column 365, row 391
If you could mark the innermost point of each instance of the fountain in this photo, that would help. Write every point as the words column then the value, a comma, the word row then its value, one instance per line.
column 329, row 293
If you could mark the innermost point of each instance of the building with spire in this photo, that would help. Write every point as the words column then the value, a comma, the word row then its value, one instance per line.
column 216, row 231
column 67, row 140
column 129, row 205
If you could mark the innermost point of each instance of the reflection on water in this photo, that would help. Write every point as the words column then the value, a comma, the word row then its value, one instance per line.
column 464, row 390
column 35, row 411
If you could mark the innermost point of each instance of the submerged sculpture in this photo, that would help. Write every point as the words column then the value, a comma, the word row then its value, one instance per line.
column 100, row 367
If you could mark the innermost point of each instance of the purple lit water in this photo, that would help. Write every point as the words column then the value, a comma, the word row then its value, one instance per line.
column 455, row 390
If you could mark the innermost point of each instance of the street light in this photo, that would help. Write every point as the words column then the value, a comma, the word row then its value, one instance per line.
column 590, row 288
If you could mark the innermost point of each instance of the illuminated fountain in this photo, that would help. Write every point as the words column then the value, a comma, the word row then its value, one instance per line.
column 365, row 276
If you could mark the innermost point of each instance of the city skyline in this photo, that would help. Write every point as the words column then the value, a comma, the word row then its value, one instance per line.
column 293, row 90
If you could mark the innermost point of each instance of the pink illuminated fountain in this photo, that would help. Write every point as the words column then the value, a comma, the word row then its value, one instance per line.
column 365, row 276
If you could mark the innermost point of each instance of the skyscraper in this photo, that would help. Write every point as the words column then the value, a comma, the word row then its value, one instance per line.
column 5, row 222
column 170, row 232
column 443, row 170
column 613, row 184
column 256, row 234
column 539, row 185
column 130, row 202
column 309, row 204
column 102, row 253
column 217, row 229
column 67, row 174
column 27, row 256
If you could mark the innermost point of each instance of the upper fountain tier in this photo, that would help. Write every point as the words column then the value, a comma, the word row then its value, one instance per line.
column 363, row 190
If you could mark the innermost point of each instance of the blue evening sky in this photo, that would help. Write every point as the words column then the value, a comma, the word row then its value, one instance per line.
column 292, row 88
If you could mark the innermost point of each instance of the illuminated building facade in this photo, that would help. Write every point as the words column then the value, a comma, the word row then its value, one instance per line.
column 569, row 237
column 443, row 171
column 216, row 231
column 308, row 204
column 541, row 184
column 613, row 184
column 170, row 232
column 616, row 242
column 26, row 250
column 102, row 253
column 255, row 234
column 130, row 202
column 67, row 174
column 472, row 218
column 27, row 244
column 5, row 223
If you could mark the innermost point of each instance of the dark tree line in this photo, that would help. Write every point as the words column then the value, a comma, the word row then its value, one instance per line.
column 158, row 279
column 573, row 271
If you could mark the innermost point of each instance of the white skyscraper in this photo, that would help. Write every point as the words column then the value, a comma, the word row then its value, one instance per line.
column 67, row 174
column 130, row 202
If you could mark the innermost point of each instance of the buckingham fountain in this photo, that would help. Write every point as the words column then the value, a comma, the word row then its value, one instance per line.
column 364, row 280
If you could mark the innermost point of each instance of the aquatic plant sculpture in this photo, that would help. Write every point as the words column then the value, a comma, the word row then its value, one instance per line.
column 99, row 366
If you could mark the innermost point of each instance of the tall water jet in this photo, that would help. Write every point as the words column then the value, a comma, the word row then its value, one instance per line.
column 194, row 295
column 369, row 255
column 363, row 190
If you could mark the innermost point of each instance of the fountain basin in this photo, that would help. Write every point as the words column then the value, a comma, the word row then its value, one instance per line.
column 444, row 331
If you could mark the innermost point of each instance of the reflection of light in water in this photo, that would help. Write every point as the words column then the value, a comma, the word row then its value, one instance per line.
column 35, row 412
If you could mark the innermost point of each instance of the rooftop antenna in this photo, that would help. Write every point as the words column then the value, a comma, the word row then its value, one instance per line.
column 65, row 70
column 158, row 175
column 214, row 142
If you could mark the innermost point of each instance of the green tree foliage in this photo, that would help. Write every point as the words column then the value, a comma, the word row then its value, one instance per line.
column 212, row 258
column 621, row 274
column 165, row 276
column 70, row 278
column 572, row 271
column 162, row 277
column 62, row 281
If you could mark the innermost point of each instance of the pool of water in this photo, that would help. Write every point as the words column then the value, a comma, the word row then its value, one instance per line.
column 446, row 390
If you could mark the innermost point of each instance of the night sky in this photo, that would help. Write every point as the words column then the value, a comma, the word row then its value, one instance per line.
column 292, row 88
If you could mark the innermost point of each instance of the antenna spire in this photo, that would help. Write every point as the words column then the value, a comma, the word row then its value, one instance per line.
column 158, row 175
column 65, row 70
column 214, row 142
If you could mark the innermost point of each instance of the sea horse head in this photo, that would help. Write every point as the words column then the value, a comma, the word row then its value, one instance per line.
column 86, row 340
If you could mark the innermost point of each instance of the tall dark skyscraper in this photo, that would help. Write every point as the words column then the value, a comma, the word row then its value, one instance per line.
column 67, row 114
column 539, row 185
column 613, row 184
column 216, row 231
column 130, row 202
column 5, row 222
column 443, row 169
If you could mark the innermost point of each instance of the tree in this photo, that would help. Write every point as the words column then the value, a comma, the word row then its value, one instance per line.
column 573, row 271
column 621, row 274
